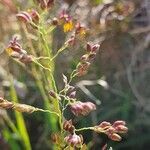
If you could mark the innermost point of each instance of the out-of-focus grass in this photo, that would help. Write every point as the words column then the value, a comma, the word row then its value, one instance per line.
column 20, row 120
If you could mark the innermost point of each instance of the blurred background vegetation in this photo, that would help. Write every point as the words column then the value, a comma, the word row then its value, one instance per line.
column 118, row 80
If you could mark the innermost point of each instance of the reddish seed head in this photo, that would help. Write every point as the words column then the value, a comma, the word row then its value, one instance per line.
column 89, row 106
column 65, row 16
column 55, row 21
column 119, row 122
column 115, row 137
column 15, row 50
column 72, row 94
column 110, row 130
column 35, row 16
column 15, row 55
column 55, row 137
column 95, row 48
column 24, row 16
column 105, row 124
column 67, row 125
column 71, row 41
column 26, row 59
column 121, row 129
column 82, row 68
column 88, row 47
column 80, row 108
column 73, row 140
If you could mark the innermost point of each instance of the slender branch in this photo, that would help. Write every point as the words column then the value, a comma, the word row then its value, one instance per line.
column 42, row 57
column 39, row 64
column 59, row 51
column 82, row 129
column 47, row 111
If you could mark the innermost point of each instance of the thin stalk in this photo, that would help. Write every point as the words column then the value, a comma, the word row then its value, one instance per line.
column 82, row 129
column 59, row 51
column 47, row 111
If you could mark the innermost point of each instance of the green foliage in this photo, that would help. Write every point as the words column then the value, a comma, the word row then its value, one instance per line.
column 20, row 120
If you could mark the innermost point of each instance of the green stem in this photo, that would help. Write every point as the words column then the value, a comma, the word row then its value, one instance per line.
column 47, row 111
column 85, row 128
column 42, row 57
column 51, row 77
column 39, row 64
column 59, row 51
column 11, row 125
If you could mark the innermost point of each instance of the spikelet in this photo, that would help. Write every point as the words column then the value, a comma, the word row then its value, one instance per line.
column 16, row 106
column 24, row 108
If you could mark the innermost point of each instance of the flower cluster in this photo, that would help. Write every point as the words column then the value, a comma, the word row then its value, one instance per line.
column 112, row 130
column 74, row 140
column 15, row 50
column 82, row 108
column 87, row 58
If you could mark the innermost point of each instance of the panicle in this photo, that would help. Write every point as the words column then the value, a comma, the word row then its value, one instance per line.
column 15, row 50
column 112, row 130
column 86, row 59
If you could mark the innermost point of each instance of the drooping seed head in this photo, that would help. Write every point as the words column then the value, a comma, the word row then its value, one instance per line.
column 55, row 21
column 115, row 137
column 74, row 140
column 119, row 122
column 95, row 47
column 68, row 126
column 24, row 16
column 72, row 94
column 88, row 47
column 121, row 129
column 104, row 124
column 35, row 16
column 82, row 108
